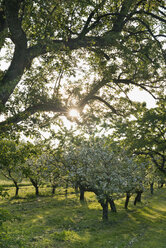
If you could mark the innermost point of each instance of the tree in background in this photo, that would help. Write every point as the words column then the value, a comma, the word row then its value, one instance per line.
column 35, row 170
column 53, row 169
column 12, row 157
column 94, row 167
column 145, row 135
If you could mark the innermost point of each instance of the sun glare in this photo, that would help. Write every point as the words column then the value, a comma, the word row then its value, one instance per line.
column 74, row 113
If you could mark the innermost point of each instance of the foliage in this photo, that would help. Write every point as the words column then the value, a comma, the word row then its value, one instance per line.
column 145, row 135
column 83, row 54
column 94, row 167
column 34, row 169
column 11, row 159
column 54, row 171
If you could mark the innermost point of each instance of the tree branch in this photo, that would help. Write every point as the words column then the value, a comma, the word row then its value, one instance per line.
column 43, row 107
column 93, row 91
column 106, row 103
column 85, row 29
column 129, row 81
column 151, row 33
column 154, row 16
column 19, row 60
column 120, row 20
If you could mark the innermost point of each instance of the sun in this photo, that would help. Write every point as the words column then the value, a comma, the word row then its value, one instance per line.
column 74, row 113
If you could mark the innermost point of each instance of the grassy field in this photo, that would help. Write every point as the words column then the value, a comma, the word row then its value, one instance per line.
column 63, row 222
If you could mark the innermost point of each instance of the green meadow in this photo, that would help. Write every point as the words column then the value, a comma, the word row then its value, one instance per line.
column 61, row 221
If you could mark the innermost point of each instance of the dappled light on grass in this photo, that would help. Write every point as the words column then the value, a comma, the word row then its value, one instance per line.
column 64, row 222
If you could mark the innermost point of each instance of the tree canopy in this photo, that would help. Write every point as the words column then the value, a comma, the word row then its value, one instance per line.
column 146, row 135
column 100, row 48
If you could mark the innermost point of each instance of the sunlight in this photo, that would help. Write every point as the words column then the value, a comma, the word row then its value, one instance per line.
column 74, row 113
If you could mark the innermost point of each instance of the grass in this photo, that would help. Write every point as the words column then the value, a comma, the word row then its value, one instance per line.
column 47, row 222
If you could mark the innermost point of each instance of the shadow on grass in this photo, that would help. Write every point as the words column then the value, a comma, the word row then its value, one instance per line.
column 65, row 222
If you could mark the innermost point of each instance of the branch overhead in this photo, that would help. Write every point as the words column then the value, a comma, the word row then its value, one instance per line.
column 120, row 35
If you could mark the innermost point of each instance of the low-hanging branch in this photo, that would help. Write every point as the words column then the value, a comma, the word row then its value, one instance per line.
column 43, row 107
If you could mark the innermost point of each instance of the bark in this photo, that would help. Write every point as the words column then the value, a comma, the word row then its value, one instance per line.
column 14, row 181
column 66, row 190
column 35, row 186
column 19, row 61
column 53, row 189
column 17, row 187
column 161, row 185
column 152, row 188
column 138, row 197
column 112, row 205
column 104, row 205
column 37, row 190
column 82, row 194
column 127, row 200
column 2, row 20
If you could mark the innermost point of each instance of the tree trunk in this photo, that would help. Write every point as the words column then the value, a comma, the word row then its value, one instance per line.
column 37, row 190
column 53, row 189
column 76, row 188
column 104, row 205
column 35, row 185
column 151, row 188
column 82, row 194
column 17, row 188
column 138, row 197
column 127, row 200
column 66, row 190
column 112, row 205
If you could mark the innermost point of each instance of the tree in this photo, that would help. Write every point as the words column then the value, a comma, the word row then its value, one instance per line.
column 34, row 169
column 11, row 159
column 53, row 169
column 117, row 41
column 94, row 167
column 146, row 134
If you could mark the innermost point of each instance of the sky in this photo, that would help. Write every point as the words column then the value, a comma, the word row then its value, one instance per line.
column 142, row 96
